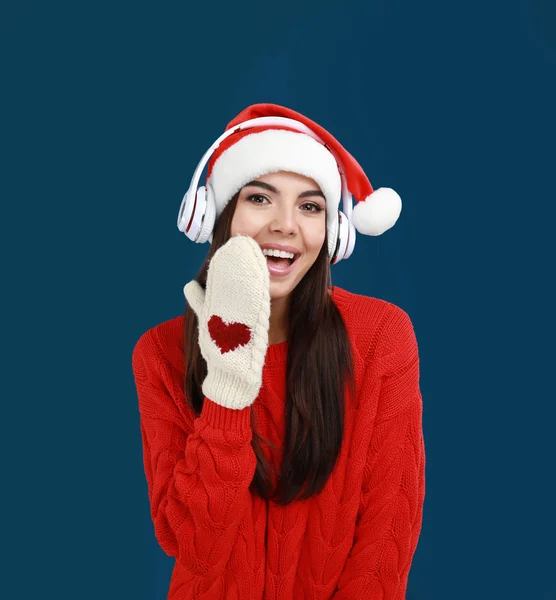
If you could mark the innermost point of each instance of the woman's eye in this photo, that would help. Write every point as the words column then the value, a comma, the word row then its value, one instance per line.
column 315, row 206
column 256, row 196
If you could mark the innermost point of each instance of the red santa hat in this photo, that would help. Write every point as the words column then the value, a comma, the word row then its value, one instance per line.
column 247, row 154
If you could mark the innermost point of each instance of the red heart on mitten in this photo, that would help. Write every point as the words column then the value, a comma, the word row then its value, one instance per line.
column 228, row 337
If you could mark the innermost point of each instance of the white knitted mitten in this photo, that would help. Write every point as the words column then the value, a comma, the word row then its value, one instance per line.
column 233, row 314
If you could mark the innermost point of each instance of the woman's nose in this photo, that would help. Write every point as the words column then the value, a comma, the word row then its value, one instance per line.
column 285, row 221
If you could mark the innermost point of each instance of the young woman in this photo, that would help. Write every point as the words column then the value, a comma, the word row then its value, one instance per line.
column 281, row 416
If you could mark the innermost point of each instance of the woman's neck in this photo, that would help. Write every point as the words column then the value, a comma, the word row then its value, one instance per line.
column 278, row 331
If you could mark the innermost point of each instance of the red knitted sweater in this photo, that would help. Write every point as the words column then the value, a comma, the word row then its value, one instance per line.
column 356, row 539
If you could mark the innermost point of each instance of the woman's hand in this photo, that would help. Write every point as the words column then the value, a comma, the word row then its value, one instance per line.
column 234, row 318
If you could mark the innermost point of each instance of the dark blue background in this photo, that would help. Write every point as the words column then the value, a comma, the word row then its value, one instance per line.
column 107, row 108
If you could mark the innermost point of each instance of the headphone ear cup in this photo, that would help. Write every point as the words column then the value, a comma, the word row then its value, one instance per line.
column 333, row 241
column 185, row 212
column 191, row 214
column 345, row 238
column 208, row 217
column 350, row 236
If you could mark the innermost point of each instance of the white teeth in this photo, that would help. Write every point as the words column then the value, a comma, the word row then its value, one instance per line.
column 278, row 253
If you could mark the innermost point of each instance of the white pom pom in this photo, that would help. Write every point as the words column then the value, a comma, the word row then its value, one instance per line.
column 378, row 212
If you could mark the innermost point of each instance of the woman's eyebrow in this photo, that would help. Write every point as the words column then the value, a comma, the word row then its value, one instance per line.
column 311, row 193
column 274, row 190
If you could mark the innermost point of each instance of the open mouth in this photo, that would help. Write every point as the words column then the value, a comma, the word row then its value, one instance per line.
column 281, row 262
column 277, row 259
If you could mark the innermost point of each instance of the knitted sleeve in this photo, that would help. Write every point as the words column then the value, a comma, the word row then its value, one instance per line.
column 198, row 472
column 392, row 496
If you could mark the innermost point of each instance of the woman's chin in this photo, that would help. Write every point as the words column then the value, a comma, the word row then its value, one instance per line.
column 280, row 289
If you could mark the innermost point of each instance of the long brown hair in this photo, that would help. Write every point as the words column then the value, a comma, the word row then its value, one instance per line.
column 319, row 361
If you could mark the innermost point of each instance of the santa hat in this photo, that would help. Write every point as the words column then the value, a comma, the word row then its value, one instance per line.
column 247, row 154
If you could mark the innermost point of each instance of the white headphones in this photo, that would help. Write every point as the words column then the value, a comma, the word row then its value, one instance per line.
column 196, row 216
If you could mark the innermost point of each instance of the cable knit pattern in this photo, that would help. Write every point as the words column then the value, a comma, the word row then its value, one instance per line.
column 355, row 540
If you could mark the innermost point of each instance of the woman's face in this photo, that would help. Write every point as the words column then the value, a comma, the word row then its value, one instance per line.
column 283, row 208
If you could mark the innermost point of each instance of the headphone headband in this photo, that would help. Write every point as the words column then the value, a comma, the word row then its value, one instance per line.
column 347, row 200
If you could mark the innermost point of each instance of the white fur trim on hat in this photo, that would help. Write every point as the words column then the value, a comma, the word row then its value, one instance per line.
column 271, row 151
column 378, row 212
